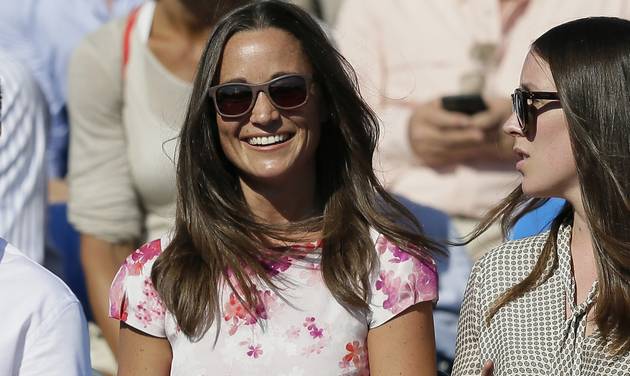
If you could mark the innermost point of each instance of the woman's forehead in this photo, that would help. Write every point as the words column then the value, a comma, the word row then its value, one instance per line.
column 261, row 54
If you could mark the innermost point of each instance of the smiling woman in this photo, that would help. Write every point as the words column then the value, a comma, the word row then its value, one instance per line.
column 288, row 256
column 270, row 143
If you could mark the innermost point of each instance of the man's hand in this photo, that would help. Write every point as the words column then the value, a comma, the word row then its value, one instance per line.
column 441, row 138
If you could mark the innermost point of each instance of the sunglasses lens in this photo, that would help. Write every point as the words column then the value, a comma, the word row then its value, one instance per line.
column 519, row 110
column 288, row 92
column 233, row 100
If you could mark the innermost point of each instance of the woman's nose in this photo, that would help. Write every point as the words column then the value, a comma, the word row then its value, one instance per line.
column 512, row 126
column 264, row 111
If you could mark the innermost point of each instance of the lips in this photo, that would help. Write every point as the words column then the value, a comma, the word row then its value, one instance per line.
column 267, row 140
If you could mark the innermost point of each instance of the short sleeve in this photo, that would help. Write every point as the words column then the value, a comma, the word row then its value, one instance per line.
column 103, row 201
column 467, row 352
column 400, row 282
column 133, row 298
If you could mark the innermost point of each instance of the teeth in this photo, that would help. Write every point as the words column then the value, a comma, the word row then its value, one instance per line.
column 267, row 140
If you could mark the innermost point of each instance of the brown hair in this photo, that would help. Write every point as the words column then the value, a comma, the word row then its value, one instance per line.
column 590, row 65
column 217, row 234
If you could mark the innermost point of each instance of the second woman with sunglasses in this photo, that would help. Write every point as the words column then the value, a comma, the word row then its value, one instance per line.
column 288, row 256
column 559, row 303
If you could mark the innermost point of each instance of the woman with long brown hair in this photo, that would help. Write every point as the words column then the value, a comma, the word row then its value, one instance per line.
column 288, row 256
column 559, row 303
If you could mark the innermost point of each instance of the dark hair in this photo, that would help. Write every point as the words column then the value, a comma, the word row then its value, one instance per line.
column 589, row 60
column 216, row 232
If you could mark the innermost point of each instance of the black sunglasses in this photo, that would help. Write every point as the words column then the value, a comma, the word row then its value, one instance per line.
column 522, row 106
column 237, row 99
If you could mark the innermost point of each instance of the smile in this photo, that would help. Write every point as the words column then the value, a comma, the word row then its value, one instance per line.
column 268, row 140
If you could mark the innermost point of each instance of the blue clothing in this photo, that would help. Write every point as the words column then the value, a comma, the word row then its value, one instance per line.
column 23, row 122
column 42, row 35
column 537, row 221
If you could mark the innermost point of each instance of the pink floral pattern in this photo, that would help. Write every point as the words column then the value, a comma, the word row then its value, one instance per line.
column 402, row 291
column 136, row 261
column 301, row 251
column 151, row 307
column 312, row 328
column 356, row 357
column 254, row 351
column 304, row 331
column 235, row 313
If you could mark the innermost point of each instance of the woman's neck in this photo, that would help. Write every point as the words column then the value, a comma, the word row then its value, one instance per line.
column 172, row 17
column 286, row 201
column 581, row 239
column 176, row 39
column 582, row 256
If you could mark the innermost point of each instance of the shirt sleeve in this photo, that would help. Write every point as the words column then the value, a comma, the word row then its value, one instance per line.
column 133, row 298
column 400, row 282
column 62, row 345
column 467, row 352
column 103, row 201
column 358, row 33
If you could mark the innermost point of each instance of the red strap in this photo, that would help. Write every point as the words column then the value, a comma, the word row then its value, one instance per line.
column 131, row 20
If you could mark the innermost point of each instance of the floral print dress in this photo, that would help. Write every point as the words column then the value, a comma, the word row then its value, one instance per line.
column 304, row 332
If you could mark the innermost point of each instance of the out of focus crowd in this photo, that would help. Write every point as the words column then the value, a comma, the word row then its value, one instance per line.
column 94, row 94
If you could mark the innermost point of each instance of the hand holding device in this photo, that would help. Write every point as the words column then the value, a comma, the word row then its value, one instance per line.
column 468, row 104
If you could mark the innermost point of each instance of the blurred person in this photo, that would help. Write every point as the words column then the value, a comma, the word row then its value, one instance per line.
column 410, row 53
column 288, row 256
column 44, row 331
column 559, row 303
column 43, row 328
column 325, row 10
column 129, row 83
column 42, row 35
column 23, row 123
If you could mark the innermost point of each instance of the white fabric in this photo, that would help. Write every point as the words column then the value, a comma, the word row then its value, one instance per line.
column 124, row 135
column 302, row 330
column 43, row 330
column 23, row 119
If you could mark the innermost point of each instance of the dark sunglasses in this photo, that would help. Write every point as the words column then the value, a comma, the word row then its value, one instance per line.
column 522, row 105
column 237, row 99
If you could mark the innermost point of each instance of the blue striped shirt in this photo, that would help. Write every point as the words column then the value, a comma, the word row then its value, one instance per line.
column 23, row 121
column 42, row 34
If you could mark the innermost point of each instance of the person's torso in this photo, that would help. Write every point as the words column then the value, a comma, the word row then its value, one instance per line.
column 305, row 331
column 532, row 335
column 29, row 296
column 459, row 39
column 155, row 103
